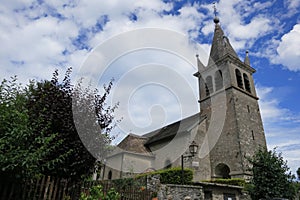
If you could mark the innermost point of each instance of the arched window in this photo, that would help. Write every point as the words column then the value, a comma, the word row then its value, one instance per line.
column 247, row 83
column 209, row 86
column 168, row 164
column 222, row 171
column 239, row 79
column 109, row 176
column 218, row 80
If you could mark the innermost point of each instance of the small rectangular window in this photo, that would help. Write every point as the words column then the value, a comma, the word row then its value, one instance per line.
column 252, row 135
column 248, row 108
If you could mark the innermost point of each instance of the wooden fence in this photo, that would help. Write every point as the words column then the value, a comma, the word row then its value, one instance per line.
column 50, row 188
column 128, row 190
column 44, row 188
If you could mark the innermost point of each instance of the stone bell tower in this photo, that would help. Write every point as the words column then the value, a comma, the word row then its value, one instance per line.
column 229, row 101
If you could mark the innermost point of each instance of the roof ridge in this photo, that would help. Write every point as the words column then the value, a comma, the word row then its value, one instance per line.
column 135, row 135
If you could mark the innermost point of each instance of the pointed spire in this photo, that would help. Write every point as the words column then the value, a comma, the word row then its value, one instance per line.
column 247, row 60
column 200, row 65
column 220, row 45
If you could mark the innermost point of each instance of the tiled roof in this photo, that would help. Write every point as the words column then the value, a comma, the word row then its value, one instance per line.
column 139, row 144
column 168, row 132
column 134, row 143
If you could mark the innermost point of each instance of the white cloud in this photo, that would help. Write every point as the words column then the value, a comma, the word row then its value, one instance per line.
column 260, row 6
column 257, row 27
column 293, row 7
column 241, row 32
column 286, row 140
column 39, row 44
column 269, row 106
column 289, row 146
column 289, row 49
column 148, row 99
column 293, row 4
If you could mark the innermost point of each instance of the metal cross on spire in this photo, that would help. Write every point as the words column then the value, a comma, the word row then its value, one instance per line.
column 216, row 19
column 215, row 9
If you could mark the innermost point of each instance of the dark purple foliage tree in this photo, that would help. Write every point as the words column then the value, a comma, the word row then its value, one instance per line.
column 80, row 119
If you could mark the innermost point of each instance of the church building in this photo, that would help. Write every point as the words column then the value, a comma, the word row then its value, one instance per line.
column 227, row 130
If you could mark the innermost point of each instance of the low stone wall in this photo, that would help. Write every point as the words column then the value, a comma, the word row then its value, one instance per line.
column 174, row 192
column 198, row 191
column 153, row 182
column 180, row 192
column 218, row 191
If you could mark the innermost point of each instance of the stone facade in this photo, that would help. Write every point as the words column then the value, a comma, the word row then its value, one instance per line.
column 228, row 98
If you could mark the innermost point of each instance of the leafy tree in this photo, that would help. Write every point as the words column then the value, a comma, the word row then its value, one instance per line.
column 298, row 173
column 80, row 118
column 21, row 150
column 52, row 127
column 271, row 176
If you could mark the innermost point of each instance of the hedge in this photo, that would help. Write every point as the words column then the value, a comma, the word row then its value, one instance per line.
column 173, row 175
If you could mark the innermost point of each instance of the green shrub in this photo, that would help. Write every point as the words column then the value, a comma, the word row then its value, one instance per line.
column 232, row 181
column 154, row 194
column 112, row 194
column 296, row 186
column 96, row 193
column 172, row 175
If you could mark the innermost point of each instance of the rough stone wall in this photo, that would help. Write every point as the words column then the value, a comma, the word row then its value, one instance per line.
column 194, row 192
column 153, row 182
column 249, row 123
column 242, row 132
column 220, row 191
column 227, row 148
column 180, row 192
column 174, row 192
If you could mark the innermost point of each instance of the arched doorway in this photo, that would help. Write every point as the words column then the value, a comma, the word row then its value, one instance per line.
column 222, row 171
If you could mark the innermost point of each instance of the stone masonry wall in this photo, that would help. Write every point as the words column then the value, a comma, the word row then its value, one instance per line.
column 174, row 192
column 180, row 192
column 194, row 192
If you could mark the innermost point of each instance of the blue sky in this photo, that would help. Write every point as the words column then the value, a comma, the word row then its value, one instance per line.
column 40, row 36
